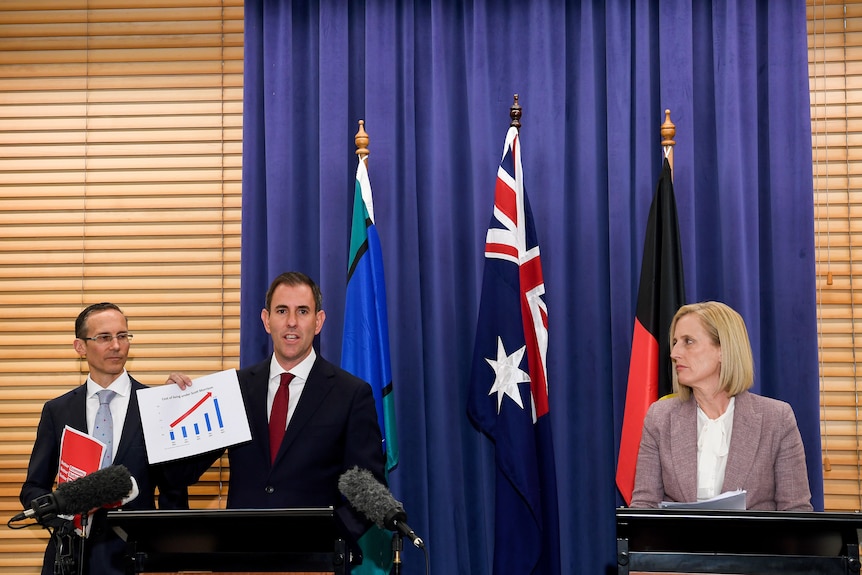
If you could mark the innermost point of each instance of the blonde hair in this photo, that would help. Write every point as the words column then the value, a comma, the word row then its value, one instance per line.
column 727, row 330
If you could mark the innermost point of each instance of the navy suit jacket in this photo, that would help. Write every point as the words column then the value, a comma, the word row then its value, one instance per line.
column 105, row 551
column 333, row 428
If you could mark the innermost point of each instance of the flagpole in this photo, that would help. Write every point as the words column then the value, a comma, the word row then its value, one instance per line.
column 661, row 292
column 361, row 140
column 668, row 131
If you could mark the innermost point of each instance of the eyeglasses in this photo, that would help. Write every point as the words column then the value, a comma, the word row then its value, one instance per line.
column 106, row 338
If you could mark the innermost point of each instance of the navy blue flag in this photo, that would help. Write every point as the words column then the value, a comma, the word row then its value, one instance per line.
column 508, row 399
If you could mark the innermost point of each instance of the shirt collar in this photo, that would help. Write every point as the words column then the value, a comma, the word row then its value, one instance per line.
column 122, row 385
column 300, row 371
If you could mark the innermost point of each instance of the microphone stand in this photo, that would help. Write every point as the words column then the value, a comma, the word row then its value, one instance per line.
column 397, row 546
column 84, row 521
column 62, row 533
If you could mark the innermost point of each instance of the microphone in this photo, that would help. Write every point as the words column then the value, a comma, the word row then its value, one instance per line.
column 103, row 487
column 375, row 502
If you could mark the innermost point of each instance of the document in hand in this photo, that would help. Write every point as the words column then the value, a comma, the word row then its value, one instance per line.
column 727, row 501
column 80, row 454
column 208, row 415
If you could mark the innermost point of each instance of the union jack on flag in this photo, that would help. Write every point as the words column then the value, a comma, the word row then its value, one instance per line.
column 508, row 399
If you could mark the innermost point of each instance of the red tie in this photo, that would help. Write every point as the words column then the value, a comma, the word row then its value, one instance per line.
column 278, row 416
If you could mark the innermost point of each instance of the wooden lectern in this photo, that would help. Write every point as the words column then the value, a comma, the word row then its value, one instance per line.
column 296, row 541
column 675, row 541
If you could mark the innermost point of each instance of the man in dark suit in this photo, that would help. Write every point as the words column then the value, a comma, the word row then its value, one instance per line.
column 330, row 424
column 102, row 337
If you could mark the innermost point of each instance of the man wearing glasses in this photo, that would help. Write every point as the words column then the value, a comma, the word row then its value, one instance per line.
column 102, row 338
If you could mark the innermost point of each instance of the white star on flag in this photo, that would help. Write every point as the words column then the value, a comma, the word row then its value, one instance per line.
column 508, row 374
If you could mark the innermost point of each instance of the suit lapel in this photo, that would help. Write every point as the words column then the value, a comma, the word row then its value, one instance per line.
column 132, row 425
column 254, row 391
column 683, row 442
column 320, row 381
column 744, row 441
column 78, row 412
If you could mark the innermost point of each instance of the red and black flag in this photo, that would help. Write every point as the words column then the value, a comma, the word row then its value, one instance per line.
column 660, row 294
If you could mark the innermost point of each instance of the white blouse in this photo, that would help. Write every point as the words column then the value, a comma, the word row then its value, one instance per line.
column 713, row 443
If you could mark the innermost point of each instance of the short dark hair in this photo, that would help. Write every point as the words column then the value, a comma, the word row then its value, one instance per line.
column 295, row 279
column 81, row 322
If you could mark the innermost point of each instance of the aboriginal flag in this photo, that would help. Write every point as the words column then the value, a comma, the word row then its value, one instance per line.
column 660, row 294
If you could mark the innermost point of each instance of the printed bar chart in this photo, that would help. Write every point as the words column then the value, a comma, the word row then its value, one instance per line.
column 196, row 415
column 208, row 415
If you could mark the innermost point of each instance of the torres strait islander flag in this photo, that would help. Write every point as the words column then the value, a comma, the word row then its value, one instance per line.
column 365, row 348
column 365, row 342
column 508, row 395
column 661, row 293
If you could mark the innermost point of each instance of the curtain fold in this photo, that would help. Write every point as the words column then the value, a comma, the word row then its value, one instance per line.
column 434, row 82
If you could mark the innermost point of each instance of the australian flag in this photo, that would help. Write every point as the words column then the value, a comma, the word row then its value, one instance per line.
column 508, row 399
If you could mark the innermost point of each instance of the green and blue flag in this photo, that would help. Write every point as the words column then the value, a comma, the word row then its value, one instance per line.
column 365, row 347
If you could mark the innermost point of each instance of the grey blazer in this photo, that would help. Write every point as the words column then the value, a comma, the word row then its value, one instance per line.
column 766, row 456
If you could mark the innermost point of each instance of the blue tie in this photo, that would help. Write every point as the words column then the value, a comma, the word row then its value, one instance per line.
column 104, row 426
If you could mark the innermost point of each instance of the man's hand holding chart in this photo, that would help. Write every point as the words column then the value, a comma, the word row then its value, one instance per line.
column 206, row 416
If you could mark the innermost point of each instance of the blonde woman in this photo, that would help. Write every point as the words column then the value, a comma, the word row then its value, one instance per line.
column 715, row 436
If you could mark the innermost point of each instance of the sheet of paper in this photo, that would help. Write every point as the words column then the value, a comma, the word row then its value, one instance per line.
column 727, row 501
column 206, row 416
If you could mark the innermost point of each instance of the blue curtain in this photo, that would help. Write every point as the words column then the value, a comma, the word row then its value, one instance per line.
column 433, row 82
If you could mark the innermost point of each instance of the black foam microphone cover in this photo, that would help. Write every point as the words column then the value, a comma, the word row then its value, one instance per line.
column 375, row 502
column 103, row 487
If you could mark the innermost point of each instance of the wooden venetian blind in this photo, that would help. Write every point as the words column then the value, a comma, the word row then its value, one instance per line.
column 835, row 65
column 120, row 169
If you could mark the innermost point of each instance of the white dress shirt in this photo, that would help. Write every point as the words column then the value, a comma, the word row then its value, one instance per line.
column 297, row 384
column 713, row 444
column 119, row 405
